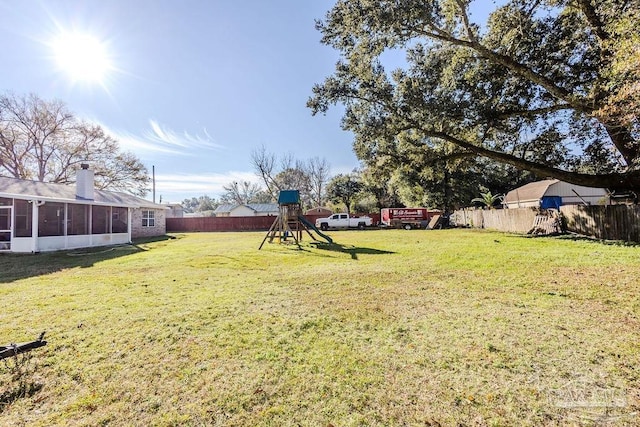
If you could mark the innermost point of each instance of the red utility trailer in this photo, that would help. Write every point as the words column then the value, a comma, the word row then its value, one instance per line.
column 407, row 218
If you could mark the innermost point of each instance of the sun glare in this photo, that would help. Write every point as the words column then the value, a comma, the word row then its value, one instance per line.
column 82, row 57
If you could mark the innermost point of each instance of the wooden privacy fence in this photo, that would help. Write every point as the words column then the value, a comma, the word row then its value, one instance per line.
column 240, row 223
column 519, row 220
column 229, row 223
column 612, row 222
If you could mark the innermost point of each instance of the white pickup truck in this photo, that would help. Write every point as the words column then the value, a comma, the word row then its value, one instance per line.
column 343, row 220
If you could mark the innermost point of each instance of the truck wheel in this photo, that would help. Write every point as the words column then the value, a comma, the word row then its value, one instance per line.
column 361, row 226
column 407, row 226
column 324, row 226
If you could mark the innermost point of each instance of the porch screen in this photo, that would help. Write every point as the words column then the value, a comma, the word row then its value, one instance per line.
column 120, row 220
column 5, row 219
column 5, row 223
column 101, row 220
column 22, row 213
column 51, row 219
column 78, row 222
column 5, row 228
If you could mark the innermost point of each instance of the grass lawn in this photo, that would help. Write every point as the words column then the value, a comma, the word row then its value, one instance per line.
column 387, row 328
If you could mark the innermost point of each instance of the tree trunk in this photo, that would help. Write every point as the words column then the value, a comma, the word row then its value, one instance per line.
column 624, row 142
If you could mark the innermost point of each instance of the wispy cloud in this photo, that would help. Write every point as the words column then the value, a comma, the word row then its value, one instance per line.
column 161, row 139
column 163, row 136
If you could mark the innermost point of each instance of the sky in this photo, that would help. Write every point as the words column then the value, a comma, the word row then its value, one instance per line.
column 191, row 87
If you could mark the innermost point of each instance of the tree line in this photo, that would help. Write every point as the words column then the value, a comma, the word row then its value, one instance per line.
column 364, row 189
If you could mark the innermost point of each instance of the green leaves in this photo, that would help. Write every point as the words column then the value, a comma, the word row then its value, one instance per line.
column 344, row 189
column 517, row 90
column 487, row 199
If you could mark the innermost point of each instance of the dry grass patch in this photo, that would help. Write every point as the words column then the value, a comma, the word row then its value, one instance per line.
column 391, row 327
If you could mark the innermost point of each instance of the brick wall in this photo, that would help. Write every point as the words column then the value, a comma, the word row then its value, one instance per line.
column 160, row 228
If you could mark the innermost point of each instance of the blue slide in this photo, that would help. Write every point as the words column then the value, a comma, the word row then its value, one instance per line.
column 314, row 228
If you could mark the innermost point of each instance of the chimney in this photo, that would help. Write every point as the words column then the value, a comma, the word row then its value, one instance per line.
column 84, row 183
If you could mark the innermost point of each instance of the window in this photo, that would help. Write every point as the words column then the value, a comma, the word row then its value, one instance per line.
column 22, row 218
column 120, row 220
column 78, row 219
column 5, row 201
column 148, row 219
column 51, row 219
column 100, row 220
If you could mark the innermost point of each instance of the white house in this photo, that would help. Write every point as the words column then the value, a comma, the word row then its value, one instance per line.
column 250, row 209
column 37, row 216
column 175, row 210
column 553, row 193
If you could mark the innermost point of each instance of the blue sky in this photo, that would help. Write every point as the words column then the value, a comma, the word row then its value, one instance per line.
column 192, row 86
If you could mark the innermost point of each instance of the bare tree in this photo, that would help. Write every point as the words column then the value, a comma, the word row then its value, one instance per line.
column 318, row 172
column 241, row 193
column 264, row 165
column 41, row 140
column 308, row 177
column 29, row 128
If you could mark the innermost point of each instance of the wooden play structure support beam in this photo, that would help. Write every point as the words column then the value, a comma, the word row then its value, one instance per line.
column 290, row 222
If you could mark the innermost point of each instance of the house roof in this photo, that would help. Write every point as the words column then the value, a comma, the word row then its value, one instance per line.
column 24, row 189
column 256, row 207
column 531, row 191
column 535, row 191
column 264, row 207
column 224, row 208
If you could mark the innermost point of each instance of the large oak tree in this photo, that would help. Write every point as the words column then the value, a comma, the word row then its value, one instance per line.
column 540, row 86
column 42, row 141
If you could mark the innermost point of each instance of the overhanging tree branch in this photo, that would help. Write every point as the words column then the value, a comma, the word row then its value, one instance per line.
column 517, row 67
column 533, row 112
column 614, row 181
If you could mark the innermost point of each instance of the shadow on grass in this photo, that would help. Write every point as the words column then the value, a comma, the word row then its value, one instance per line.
column 582, row 238
column 21, row 266
column 351, row 250
column 20, row 391
column 16, row 379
